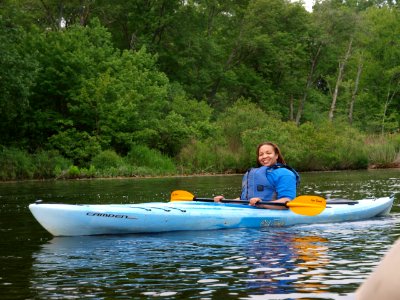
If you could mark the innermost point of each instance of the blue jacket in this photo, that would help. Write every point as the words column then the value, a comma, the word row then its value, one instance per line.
column 269, row 183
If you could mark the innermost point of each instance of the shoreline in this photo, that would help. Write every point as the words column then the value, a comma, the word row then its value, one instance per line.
column 397, row 167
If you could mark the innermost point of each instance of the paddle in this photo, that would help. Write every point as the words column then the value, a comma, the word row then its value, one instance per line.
column 303, row 205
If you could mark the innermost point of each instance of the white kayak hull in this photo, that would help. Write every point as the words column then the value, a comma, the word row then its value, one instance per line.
column 75, row 220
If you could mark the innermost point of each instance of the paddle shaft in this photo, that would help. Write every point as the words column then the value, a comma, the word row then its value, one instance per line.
column 303, row 205
column 339, row 201
column 238, row 201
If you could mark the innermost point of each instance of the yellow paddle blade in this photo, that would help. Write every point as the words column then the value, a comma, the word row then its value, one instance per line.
column 181, row 195
column 307, row 205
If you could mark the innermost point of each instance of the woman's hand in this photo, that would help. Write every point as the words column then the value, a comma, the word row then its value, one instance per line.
column 218, row 198
column 254, row 201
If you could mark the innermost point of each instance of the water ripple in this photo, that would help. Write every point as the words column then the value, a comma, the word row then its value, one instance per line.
column 293, row 261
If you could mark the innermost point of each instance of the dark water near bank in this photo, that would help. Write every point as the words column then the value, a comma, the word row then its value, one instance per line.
column 311, row 262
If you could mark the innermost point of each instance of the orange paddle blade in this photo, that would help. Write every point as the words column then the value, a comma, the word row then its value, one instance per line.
column 307, row 205
column 181, row 195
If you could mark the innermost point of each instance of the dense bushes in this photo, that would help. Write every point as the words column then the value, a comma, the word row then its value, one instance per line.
column 229, row 148
column 306, row 148
column 18, row 164
column 328, row 146
column 384, row 150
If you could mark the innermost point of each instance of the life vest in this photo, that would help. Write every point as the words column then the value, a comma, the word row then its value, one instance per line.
column 255, row 182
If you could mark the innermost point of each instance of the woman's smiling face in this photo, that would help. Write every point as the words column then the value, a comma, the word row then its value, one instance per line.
column 267, row 156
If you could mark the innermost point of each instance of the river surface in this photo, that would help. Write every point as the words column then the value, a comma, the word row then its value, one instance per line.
column 326, row 261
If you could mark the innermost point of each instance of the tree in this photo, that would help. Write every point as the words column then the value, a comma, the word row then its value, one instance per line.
column 383, row 71
column 18, row 70
column 277, row 37
column 355, row 89
column 339, row 80
column 337, row 25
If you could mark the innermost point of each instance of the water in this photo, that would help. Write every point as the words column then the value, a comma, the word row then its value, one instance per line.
column 326, row 261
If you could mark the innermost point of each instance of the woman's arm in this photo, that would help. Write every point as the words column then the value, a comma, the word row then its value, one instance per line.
column 219, row 198
column 285, row 187
column 254, row 201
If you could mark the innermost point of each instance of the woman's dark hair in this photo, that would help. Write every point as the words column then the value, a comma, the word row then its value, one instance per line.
column 276, row 150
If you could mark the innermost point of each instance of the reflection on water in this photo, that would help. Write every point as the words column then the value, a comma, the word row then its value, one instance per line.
column 312, row 252
column 326, row 261
column 286, row 261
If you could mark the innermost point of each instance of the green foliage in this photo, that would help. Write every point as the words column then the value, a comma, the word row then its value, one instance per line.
column 196, row 114
column 276, row 36
column 381, row 155
column 241, row 117
column 15, row 164
column 67, row 59
column 334, row 146
column 198, row 82
column 73, row 172
column 75, row 145
column 106, row 160
column 384, row 150
column 329, row 146
column 49, row 164
column 123, row 102
column 202, row 157
column 326, row 147
column 142, row 156
column 227, row 152
column 17, row 78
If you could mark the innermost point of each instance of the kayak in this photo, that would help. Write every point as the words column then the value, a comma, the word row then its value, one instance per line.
column 90, row 219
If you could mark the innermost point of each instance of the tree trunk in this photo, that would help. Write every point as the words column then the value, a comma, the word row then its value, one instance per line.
column 355, row 91
column 339, row 80
column 308, row 85
column 159, row 31
column 84, row 12
column 291, row 113
column 389, row 99
column 50, row 17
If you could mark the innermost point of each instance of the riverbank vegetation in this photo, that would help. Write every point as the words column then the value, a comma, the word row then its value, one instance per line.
column 139, row 88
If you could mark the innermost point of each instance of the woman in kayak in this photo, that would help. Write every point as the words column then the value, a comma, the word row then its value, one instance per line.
column 272, row 180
